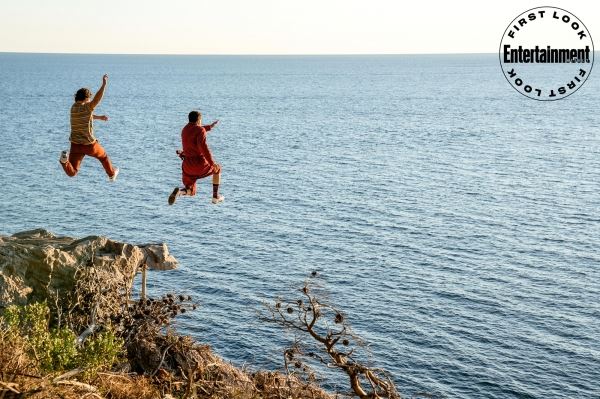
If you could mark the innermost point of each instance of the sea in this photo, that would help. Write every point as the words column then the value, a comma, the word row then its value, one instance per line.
column 454, row 222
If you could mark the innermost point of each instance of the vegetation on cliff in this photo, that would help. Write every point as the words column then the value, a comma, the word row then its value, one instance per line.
column 79, row 334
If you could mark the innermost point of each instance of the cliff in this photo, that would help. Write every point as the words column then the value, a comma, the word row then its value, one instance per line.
column 37, row 265
column 81, row 334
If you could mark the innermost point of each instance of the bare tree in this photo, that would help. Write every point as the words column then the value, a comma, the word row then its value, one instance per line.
column 310, row 316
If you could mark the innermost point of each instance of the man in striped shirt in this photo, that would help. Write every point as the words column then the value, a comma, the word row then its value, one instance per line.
column 83, row 141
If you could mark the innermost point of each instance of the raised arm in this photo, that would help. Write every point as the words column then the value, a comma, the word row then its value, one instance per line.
column 98, row 97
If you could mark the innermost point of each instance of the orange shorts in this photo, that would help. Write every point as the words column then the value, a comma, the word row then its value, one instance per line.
column 79, row 151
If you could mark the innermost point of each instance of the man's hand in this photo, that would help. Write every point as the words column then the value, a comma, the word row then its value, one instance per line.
column 105, row 79
column 101, row 117
column 214, row 124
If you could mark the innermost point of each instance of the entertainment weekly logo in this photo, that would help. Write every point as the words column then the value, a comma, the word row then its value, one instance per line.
column 546, row 53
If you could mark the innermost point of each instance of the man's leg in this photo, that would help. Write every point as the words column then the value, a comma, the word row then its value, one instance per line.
column 97, row 151
column 216, row 181
column 189, row 187
column 71, row 167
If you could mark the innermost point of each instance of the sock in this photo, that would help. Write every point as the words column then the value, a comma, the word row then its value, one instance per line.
column 215, row 191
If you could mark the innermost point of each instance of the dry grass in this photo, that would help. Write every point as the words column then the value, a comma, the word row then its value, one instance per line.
column 208, row 377
column 124, row 386
column 13, row 357
column 272, row 385
column 166, row 365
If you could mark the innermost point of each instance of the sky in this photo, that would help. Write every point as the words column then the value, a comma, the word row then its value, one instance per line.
column 266, row 26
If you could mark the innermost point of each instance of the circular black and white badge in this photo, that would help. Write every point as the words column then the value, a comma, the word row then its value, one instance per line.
column 546, row 53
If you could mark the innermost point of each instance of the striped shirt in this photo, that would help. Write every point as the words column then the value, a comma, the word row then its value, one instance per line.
column 82, row 124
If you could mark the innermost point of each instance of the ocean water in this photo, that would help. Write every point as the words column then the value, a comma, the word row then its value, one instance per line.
column 456, row 222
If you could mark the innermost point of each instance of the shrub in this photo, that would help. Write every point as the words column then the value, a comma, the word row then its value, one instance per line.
column 56, row 349
column 101, row 351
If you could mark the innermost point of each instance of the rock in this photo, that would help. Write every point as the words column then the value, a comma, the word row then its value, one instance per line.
column 157, row 257
column 36, row 264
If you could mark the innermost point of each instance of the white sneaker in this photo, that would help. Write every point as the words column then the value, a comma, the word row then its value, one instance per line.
column 218, row 200
column 64, row 157
column 114, row 177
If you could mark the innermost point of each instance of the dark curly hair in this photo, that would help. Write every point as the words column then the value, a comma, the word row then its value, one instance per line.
column 83, row 94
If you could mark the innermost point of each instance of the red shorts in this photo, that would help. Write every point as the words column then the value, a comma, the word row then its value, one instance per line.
column 190, row 172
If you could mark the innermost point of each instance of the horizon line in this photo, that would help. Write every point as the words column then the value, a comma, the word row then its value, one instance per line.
column 244, row 54
column 251, row 54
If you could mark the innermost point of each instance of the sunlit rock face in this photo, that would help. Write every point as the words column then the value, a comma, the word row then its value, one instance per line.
column 37, row 265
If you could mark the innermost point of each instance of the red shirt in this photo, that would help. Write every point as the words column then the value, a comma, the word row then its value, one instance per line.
column 195, row 149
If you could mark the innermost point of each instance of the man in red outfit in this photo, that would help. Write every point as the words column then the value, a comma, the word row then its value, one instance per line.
column 83, row 141
column 197, row 159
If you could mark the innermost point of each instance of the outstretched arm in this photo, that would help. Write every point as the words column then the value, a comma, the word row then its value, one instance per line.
column 208, row 128
column 98, row 97
column 100, row 117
